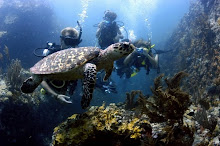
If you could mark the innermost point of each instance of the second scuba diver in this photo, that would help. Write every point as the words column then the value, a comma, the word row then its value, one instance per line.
column 141, row 57
column 108, row 31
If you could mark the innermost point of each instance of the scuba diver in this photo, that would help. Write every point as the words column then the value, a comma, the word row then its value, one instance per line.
column 108, row 31
column 141, row 57
column 70, row 38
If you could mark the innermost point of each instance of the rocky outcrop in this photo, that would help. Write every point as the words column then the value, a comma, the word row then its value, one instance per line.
column 195, row 44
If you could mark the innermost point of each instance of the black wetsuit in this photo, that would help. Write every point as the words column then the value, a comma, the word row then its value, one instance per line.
column 108, row 31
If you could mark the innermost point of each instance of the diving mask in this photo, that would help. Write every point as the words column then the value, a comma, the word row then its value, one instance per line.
column 141, row 50
column 70, row 41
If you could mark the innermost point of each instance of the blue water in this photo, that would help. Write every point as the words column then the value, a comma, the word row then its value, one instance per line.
column 29, row 24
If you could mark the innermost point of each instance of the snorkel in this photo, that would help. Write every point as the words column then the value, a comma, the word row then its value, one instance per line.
column 80, row 33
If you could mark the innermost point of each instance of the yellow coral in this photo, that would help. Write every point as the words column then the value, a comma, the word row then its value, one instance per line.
column 131, row 124
column 56, row 129
column 73, row 116
column 96, row 119
column 60, row 138
column 136, row 132
column 132, row 128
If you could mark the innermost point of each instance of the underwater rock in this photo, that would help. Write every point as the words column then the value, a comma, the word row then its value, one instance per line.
column 4, row 90
column 154, row 121
column 112, row 125
column 196, row 45
column 102, row 125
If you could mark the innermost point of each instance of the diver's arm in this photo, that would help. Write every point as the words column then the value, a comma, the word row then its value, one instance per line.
column 58, row 96
column 98, row 32
column 153, row 61
column 128, row 59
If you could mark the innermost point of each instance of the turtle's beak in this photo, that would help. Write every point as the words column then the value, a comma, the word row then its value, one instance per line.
column 128, row 47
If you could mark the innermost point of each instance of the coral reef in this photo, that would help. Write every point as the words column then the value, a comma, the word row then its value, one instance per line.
column 13, row 76
column 196, row 46
column 166, row 118
column 103, row 126
column 114, row 125
column 196, row 50
column 169, row 104
column 130, row 98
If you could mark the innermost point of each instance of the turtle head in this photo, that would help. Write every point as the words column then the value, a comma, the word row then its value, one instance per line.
column 30, row 84
column 119, row 50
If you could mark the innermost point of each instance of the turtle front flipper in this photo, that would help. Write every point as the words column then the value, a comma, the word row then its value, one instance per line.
column 108, row 72
column 88, row 84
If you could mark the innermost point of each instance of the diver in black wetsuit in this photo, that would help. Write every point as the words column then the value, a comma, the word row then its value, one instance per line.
column 108, row 31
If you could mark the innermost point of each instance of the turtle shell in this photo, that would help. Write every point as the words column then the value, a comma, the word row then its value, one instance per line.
column 65, row 60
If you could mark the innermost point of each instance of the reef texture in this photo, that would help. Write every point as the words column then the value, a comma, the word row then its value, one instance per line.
column 113, row 125
column 166, row 105
column 196, row 50
column 196, row 46
column 166, row 118
column 99, row 125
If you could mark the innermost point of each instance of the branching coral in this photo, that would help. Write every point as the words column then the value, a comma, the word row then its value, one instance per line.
column 166, row 105
column 13, row 75
column 175, row 134
column 202, row 118
column 130, row 101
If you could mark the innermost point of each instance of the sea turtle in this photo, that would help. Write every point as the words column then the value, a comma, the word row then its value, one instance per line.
column 77, row 63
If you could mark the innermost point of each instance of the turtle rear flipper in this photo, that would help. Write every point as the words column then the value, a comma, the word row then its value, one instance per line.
column 29, row 85
column 88, row 84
